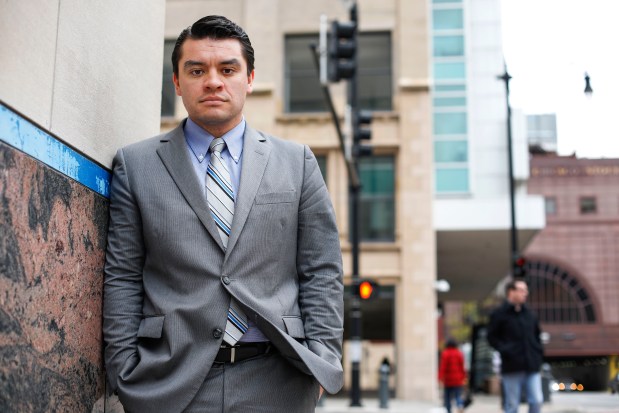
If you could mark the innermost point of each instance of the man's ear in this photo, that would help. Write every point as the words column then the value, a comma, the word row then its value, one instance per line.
column 250, row 81
column 177, row 86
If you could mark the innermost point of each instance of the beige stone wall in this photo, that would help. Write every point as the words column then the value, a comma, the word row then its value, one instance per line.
column 409, row 262
column 89, row 72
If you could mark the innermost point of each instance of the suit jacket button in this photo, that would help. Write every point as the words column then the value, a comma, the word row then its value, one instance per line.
column 217, row 333
column 226, row 280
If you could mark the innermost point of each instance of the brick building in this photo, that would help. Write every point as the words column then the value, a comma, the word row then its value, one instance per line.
column 573, row 263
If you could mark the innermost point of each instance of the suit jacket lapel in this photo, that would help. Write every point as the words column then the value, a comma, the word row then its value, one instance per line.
column 255, row 156
column 174, row 156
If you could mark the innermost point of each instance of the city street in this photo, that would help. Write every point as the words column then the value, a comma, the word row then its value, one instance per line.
column 587, row 402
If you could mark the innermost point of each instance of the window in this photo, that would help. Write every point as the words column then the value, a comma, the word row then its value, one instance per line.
column 446, row 19
column 449, row 70
column 550, row 205
column 452, row 180
column 377, row 199
column 322, row 164
column 303, row 91
column 448, row 46
column 450, row 151
column 449, row 98
column 375, row 82
column 378, row 315
column 449, row 101
column 558, row 297
column 588, row 205
column 450, row 123
column 168, row 94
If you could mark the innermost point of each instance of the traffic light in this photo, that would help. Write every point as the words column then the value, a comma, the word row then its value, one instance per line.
column 367, row 289
column 519, row 267
column 362, row 133
column 341, row 51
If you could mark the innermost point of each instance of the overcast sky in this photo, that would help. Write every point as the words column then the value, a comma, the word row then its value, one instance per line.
column 548, row 46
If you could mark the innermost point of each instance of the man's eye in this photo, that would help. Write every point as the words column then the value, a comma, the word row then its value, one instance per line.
column 227, row 71
column 196, row 72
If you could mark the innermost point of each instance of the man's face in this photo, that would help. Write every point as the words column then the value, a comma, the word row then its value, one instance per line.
column 519, row 294
column 213, row 82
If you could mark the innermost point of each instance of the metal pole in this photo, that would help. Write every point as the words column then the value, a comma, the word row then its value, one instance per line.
column 505, row 77
column 355, row 310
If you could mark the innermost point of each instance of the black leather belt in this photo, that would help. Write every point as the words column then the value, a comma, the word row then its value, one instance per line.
column 242, row 351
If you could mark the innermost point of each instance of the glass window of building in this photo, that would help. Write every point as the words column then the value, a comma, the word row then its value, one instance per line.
column 168, row 94
column 375, row 79
column 588, row 205
column 450, row 123
column 322, row 164
column 449, row 98
column 449, row 101
column 445, row 19
column 378, row 315
column 550, row 204
column 451, row 151
column 451, row 179
column 448, row 46
column 449, row 71
column 377, row 198
column 302, row 88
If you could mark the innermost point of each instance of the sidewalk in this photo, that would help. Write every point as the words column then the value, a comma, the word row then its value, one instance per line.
column 560, row 403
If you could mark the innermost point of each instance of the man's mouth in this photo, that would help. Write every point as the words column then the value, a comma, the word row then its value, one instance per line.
column 212, row 99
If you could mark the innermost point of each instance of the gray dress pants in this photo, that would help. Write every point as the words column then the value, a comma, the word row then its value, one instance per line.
column 263, row 384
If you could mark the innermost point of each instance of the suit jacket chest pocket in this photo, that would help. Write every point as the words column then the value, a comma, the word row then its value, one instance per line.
column 272, row 198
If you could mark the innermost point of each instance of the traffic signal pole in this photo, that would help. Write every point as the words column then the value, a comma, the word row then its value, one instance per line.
column 354, row 192
column 338, row 61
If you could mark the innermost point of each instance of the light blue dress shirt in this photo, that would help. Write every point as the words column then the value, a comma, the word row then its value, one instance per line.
column 198, row 141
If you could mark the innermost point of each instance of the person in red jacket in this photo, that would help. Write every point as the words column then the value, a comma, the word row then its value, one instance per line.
column 451, row 373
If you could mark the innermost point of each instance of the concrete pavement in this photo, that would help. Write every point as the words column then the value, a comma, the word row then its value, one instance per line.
column 586, row 402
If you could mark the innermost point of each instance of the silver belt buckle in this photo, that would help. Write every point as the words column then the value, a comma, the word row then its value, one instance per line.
column 232, row 354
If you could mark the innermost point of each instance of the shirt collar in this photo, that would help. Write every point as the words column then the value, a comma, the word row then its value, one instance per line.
column 199, row 140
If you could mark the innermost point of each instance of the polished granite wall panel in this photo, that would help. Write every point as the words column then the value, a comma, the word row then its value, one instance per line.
column 52, row 246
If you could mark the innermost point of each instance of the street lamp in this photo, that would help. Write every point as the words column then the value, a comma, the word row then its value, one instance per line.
column 588, row 89
column 514, row 254
column 506, row 77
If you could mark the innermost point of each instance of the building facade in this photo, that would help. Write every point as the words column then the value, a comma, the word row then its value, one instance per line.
column 572, row 265
column 471, row 184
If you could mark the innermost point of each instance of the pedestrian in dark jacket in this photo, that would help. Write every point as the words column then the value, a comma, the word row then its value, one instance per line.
column 451, row 373
column 515, row 333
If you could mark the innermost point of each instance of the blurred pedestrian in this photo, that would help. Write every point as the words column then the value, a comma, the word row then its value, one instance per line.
column 514, row 332
column 452, row 375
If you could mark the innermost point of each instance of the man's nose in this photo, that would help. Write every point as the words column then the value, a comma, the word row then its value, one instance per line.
column 213, row 80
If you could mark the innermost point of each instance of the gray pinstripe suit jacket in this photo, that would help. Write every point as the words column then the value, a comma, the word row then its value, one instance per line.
column 166, row 291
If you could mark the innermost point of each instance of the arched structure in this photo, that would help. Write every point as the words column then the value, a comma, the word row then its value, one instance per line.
column 559, row 295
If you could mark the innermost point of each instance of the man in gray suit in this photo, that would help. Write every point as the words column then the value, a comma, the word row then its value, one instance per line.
column 223, row 276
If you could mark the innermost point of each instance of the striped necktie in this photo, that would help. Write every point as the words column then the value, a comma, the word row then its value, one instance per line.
column 220, row 197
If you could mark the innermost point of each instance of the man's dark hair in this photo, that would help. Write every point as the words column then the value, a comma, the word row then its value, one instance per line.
column 218, row 28
column 511, row 285
column 451, row 343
